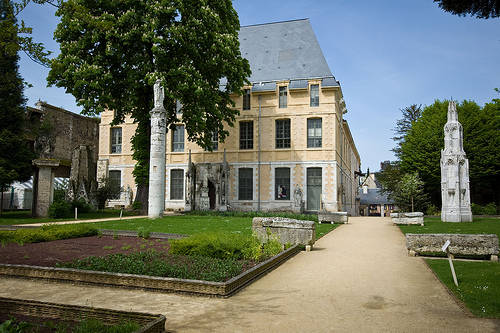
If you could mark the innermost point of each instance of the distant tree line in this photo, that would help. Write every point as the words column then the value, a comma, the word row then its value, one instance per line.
column 420, row 138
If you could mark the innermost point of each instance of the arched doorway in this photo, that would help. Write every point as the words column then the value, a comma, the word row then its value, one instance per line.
column 211, row 194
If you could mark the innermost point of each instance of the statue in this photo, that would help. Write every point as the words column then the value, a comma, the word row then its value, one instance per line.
column 455, row 193
column 159, row 94
column 297, row 196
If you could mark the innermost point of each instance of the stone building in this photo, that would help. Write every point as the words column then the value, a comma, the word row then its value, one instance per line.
column 66, row 146
column 290, row 149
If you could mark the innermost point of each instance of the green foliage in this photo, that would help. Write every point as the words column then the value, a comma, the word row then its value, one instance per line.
column 432, row 210
column 489, row 209
column 60, row 209
column 47, row 233
column 12, row 326
column 96, row 326
column 15, row 155
column 82, row 205
column 478, row 285
column 421, row 149
column 137, row 205
column 143, row 232
column 218, row 245
column 410, row 192
column 155, row 263
column 105, row 191
column 272, row 247
column 85, row 326
column 478, row 8
column 410, row 115
column 112, row 52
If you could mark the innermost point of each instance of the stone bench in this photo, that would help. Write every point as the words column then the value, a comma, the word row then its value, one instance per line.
column 333, row 217
column 287, row 230
column 460, row 244
column 408, row 218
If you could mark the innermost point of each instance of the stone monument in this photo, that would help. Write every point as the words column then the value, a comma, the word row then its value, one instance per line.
column 454, row 172
column 157, row 158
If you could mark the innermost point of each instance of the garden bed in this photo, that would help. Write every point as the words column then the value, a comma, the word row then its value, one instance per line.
column 41, row 313
column 37, row 260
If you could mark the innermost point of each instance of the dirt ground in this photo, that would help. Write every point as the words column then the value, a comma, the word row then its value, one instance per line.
column 47, row 254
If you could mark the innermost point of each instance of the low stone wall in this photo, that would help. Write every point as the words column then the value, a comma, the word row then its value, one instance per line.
column 150, row 323
column 408, row 218
column 287, row 230
column 195, row 287
column 333, row 217
column 460, row 244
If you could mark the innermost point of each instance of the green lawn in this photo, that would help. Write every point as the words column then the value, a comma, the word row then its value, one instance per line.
column 478, row 284
column 192, row 224
column 24, row 217
column 433, row 225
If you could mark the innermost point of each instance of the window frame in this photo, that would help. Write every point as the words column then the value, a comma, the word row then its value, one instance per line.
column 177, row 187
column 312, row 140
column 282, row 141
column 246, row 135
column 176, row 142
column 314, row 99
column 114, row 145
column 280, row 180
column 283, row 97
column 245, row 184
column 247, row 97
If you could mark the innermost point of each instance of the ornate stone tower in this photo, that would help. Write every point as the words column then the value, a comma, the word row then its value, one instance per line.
column 454, row 172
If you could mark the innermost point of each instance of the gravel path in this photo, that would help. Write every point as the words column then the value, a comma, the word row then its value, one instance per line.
column 358, row 278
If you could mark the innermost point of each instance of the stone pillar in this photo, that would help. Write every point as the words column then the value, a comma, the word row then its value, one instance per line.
column 382, row 210
column 455, row 193
column 45, row 186
column 157, row 156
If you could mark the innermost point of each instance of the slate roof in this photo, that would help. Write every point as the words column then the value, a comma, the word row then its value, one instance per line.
column 284, row 51
column 373, row 197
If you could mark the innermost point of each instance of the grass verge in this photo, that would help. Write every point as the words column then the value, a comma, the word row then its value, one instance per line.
column 478, row 284
column 154, row 263
column 24, row 217
column 433, row 225
column 194, row 224
column 47, row 233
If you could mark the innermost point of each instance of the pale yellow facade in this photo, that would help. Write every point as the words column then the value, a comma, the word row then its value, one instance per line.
column 336, row 160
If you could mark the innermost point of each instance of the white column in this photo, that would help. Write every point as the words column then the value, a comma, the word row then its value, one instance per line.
column 157, row 156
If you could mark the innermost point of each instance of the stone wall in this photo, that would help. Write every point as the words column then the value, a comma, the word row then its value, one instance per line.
column 408, row 218
column 287, row 230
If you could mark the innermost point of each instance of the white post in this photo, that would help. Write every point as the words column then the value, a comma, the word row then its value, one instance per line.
column 157, row 155
column 121, row 213
column 76, row 213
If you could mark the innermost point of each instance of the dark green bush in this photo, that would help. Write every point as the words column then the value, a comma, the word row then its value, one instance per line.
column 82, row 205
column 47, row 233
column 489, row 209
column 136, row 205
column 154, row 263
column 60, row 209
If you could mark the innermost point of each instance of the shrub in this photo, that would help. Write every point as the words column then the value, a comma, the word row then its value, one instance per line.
column 82, row 206
column 60, row 209
column 137, row 205
column 272, row 247
column 47, row 233
column 432, row 210
column 143, row 232
column 490, row 209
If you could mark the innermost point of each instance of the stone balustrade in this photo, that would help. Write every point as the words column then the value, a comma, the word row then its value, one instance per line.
column 460, row 244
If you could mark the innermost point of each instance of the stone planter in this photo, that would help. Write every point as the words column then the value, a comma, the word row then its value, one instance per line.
column 289, row 231
column 408, row 218
column 460, row 244
column 333, row 217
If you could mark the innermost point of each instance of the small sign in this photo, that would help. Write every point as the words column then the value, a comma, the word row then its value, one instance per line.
column 445, row 246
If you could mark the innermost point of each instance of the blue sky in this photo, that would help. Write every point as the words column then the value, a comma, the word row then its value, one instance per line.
column 386, row 54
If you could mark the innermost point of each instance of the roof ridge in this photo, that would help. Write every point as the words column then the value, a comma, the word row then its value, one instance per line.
column 277, row 22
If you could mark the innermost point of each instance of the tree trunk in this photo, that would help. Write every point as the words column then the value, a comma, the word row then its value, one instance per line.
column 142, row 197
column 412, row 210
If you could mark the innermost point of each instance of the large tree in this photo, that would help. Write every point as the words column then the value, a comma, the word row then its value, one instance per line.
column 479, row 8
column 421, row 149
column 410, row 115
column 15, row 155
column 112, row 52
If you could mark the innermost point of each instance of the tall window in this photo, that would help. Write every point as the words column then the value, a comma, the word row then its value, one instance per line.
column 178, row 138
column 283, row 133
column 116, row 140
column 115, row 181
column 282, row 183
column 283, row 94
column 176, row 184
column 314, row 100
column 246, row 99
column 245, row 184
column 246, row 134
column 314, row 133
